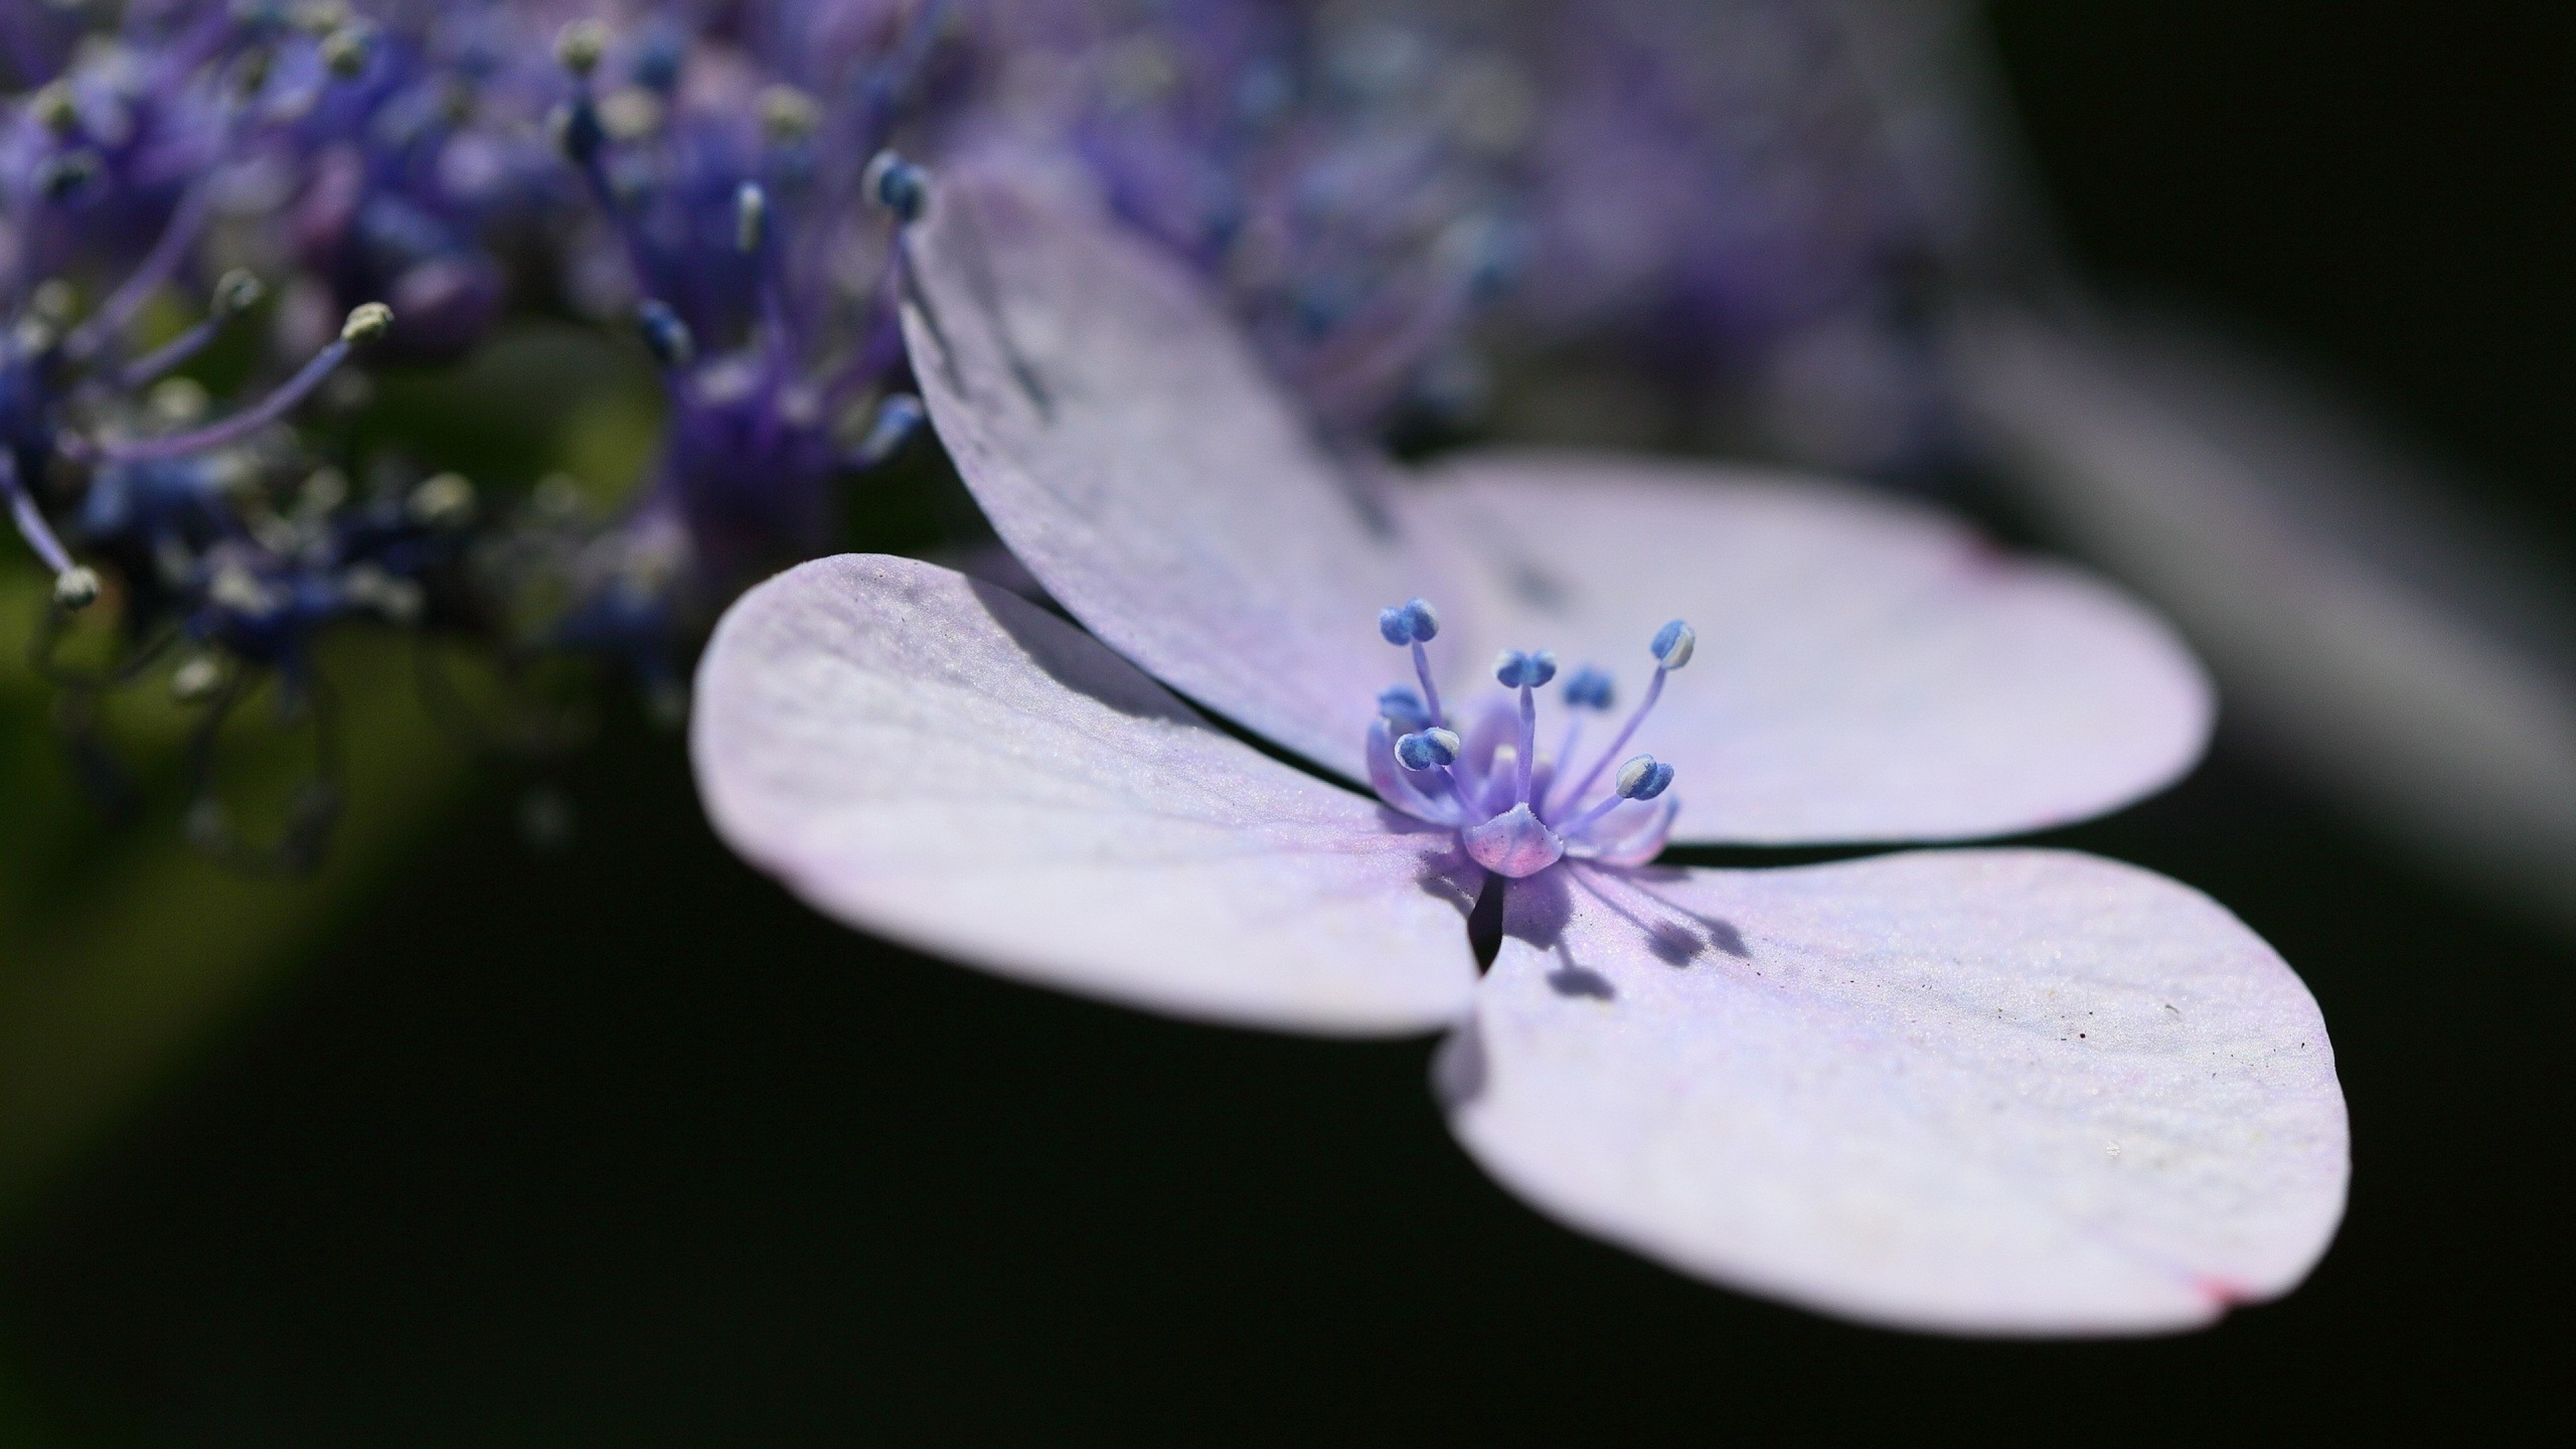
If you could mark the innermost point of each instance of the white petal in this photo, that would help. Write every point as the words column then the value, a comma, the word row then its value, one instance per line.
column 2005, row 1092
column 1125, row 442
column 1867, row 669
column 929, row 757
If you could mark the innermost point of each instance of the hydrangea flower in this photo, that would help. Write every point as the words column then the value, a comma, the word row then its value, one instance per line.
column 1986, row 1091
column 740, row 227
column 163, row 142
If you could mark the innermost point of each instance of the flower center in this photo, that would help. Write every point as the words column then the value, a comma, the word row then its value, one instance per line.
column 1516, row 810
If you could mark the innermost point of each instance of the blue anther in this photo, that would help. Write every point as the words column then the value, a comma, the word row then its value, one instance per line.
column 1516, row 670
column 750, row 216
column 1643, row 778
column 1426, row 749
column 1674, row 643
column 1588, row 688
column 1401, row 707
column 1411, row 622
column 665, row 335
column 898, row 417
column 897, row 185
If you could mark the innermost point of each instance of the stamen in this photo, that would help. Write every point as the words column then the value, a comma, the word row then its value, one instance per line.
column 1414, row 623
column 1589, row 687
column 665, row 335
column 1411, row 622
column 168, row 252
column 236, row 292
column 897, row 185
column 788, row 115
column 751, row 230
column 750, row 216
column 1432, row 752
column 366, row 323
column 1643, row 777
column 899, row 416
column 1526, row 672
column 444, row 501
column 57, row 107
column 1514, row 669
column 579, row 45
column 1674, row 643
column 582, row 136
column 75, row 587
column 1672, row 648
column 196, row 679
column 1427, row 749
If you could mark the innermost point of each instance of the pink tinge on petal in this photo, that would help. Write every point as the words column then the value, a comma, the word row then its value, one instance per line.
column 1982, row 1092
column 1867, row 669
column 1123, row 439
column 935, row 760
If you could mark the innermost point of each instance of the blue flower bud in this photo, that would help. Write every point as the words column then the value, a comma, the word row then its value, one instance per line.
column 1426, row 748
column 665, row 334
column 1401, row 706
column 1588, row 688
column 1515, row 669
column 1643, row 777
column 1410, row 622
column 897, row 185
column 1674, row 643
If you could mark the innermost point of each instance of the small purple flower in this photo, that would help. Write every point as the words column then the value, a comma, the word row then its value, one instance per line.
column 112, row 136
column 1984, row 1091
column 407, row 130
column 745, row 229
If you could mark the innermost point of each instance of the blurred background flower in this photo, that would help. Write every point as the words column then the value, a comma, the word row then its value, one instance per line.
column 559, row 1036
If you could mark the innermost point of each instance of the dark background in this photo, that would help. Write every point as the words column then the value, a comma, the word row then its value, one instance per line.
column 621, row 1145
